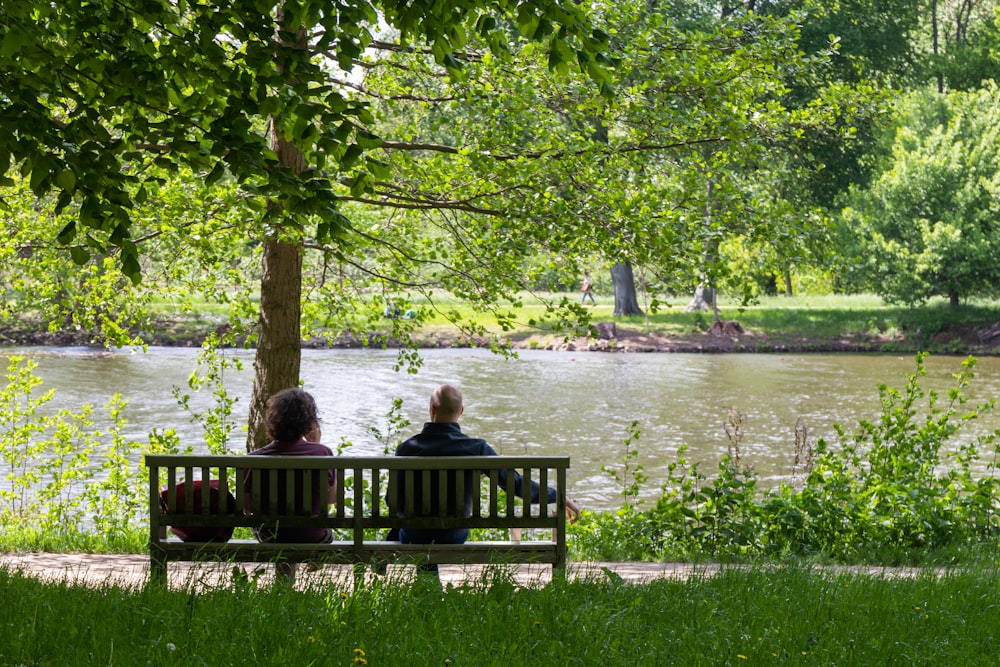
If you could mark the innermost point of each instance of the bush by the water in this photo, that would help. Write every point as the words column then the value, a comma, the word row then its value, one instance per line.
column 888, row 490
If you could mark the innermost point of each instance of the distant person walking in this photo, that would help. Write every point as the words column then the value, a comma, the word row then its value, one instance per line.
column 586, row 290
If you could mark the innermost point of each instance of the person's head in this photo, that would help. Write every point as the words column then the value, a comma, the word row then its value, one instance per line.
column 446, row 404
column 291, row 414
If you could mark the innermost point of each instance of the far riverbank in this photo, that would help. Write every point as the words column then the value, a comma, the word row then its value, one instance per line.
column 958, row 339
column 784, row 325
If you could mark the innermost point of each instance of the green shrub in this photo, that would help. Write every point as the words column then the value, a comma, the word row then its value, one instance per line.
column 890, row 489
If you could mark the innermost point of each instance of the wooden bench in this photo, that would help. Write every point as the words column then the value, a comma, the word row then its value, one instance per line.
column 362, row 513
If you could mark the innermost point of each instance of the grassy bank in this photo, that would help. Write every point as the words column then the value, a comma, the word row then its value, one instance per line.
column 786, row 324
column 783, row 616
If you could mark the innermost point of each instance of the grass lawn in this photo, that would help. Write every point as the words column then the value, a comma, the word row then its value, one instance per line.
column 784, row 616
column 802, row 323
column 807, row 323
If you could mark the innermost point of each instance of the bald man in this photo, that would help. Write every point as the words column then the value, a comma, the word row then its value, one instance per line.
column 442, row 436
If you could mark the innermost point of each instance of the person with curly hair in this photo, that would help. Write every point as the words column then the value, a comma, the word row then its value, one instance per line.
column 292, row 421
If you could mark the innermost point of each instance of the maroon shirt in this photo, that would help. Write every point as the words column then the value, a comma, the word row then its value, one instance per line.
column 300, row 448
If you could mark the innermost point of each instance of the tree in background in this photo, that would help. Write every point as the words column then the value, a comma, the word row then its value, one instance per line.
column 964, row 48
column 928, row 224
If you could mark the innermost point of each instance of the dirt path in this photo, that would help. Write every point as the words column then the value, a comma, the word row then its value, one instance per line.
column 132, row 571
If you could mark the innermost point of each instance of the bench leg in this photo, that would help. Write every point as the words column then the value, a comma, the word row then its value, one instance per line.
column 359, row 571
column 157, row 569
column 284, row 573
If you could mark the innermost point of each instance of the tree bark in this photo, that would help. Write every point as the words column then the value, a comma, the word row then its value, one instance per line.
column 279, row 346
column 278, row 357
column 703, row 300
column 704, row 294
column 626, row 302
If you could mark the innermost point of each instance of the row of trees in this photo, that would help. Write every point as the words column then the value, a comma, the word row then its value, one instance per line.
column 303, row 162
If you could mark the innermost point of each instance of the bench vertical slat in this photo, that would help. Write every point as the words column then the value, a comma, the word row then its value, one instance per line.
column 425, row 491
column 408, row 500
column 206, row 495
column 376, row 505
column 224, row 502
column 460, row 478
column 477, row 494
column 359, row 504
column 391, row 493
column 189, row 487
column 305, row 492
column 256, row 491
column 172, row 489
column 340, row 474
column 511, row 496
column 543, row 496
column 559, row 566
column 444, row 491
column 494, row 485
column 272, row 492
column 240, row 490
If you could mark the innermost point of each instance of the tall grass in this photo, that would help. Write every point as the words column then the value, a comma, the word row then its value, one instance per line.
column 783, row 616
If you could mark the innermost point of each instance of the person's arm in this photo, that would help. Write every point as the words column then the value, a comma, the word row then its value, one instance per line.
column 572, row 511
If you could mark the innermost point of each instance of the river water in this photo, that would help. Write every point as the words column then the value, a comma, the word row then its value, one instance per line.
column 544, row 402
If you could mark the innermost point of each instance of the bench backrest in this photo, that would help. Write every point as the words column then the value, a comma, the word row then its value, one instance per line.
column 372, row 492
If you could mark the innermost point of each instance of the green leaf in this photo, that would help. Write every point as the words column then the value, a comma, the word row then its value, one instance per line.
column 79, row 255
column 66, row 180
column 217, row 172
column 367, row 139
column 351, row 155
column 67, row 233
column 12, row 42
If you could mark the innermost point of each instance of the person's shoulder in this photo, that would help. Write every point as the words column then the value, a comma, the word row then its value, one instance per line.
column 407, row 447
column 485, row 448
column 313, row 449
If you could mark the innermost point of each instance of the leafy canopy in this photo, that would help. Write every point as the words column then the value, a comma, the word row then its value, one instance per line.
column 95, row 93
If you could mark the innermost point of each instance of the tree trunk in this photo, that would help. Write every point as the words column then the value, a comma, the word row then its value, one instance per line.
column 934, row 46
column 278, row 357
column 788, row 283
column 626, row 302
column 704, row 294
column 703, row 300
column 279, row 345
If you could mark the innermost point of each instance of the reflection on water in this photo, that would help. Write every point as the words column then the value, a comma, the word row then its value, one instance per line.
column 572, row 403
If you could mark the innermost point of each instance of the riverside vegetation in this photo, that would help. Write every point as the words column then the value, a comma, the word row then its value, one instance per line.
column 896, row 489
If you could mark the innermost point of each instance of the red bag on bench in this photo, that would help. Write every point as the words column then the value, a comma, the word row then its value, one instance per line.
column 201, row 533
